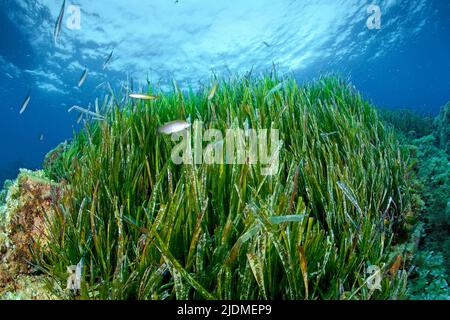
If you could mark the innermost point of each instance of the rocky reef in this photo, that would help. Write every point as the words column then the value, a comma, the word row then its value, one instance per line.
column 431, row 278
column 26, row 206
column 428, row 140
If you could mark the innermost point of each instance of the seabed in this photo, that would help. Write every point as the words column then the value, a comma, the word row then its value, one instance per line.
column 358, row 207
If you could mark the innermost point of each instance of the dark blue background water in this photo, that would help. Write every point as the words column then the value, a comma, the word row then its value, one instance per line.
column 405, row 64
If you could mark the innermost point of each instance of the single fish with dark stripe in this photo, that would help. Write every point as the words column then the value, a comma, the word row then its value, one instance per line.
column 59, row 22
column 25, row 104
column 83, row 77
column 105, row 64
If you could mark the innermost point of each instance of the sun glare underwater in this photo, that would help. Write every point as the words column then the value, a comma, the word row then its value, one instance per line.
column 245, row 150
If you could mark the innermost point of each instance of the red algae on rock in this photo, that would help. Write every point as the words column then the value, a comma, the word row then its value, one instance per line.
column 23, row 226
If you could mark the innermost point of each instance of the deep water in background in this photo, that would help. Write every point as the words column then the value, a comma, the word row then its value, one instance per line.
column 405, row 64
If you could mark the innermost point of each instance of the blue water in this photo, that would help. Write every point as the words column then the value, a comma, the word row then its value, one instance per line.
column 404, row 64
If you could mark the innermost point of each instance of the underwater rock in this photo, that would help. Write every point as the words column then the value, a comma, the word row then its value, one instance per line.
column 54, row 154
column 25, row 287
column 429, row 244
column 23, row 215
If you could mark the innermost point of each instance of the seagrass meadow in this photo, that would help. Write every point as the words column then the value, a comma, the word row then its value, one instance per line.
column 144, row 228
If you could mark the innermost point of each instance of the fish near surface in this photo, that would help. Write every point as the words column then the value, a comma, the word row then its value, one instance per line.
column 105, row 64
column 58, row 24
column 25, row 104
column 83, row 77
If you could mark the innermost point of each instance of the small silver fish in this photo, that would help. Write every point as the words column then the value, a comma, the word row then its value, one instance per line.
column 105, row 64
column 25, row 104
column 83, row 77
column 174, row 127
column 143, row 96
column 80, row 117
column 86, row 111
column 213, row 91
column 100, row 85
column 59, row 22
column 41, row 138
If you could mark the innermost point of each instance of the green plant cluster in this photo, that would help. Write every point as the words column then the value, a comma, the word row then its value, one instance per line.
column 145, row 228
column 430, row 280
column 408, row 123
